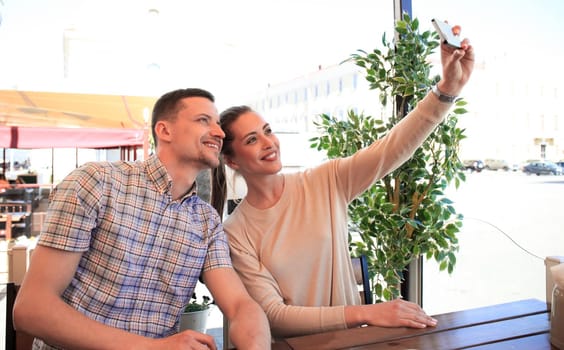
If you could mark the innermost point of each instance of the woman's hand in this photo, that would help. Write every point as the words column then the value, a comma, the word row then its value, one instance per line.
column 458, row 65
column 395, row 313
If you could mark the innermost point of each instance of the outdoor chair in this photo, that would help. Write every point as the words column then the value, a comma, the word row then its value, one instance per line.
column 14, row 340
column 360, row 267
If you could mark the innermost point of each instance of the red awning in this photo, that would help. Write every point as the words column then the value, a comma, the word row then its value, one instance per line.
column 47, row 137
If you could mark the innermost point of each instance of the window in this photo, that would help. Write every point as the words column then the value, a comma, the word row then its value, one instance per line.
column 487, row 238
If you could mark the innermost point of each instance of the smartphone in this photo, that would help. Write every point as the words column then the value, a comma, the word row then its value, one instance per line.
column 445, row 32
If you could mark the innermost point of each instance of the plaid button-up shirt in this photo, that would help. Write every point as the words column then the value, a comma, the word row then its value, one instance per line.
column 142, row 251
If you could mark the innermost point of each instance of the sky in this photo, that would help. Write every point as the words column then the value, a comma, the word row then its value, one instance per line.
column 236, row 48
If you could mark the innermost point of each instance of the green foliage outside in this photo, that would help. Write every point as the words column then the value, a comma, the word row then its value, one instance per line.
column 406, row 214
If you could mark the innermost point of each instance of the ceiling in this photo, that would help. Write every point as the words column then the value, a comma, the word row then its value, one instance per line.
column 73, row 110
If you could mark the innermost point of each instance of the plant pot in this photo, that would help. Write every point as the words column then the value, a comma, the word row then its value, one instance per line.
column 195, row 320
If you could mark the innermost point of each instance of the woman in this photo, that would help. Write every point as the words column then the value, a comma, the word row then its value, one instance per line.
column 288, row 236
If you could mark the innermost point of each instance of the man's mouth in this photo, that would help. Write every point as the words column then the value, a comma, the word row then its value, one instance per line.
column 212, row 145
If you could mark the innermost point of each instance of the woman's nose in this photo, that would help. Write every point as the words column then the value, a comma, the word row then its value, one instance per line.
column 266, row 142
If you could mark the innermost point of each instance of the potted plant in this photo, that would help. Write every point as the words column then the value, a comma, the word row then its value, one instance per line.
column 405, row 215
column 195, row 314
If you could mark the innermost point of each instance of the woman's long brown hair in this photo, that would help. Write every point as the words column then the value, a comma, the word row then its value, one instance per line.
column 218, row 178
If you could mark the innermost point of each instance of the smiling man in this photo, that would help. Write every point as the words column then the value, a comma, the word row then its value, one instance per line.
column 124, row 244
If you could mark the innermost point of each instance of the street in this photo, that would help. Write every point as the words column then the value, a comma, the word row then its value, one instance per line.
column 512, row 222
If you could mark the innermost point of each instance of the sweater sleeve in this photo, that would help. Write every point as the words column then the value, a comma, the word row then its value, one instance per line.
column 362, row 169
column 285, row 320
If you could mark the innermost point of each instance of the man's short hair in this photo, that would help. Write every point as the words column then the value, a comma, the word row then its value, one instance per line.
column 167, row 105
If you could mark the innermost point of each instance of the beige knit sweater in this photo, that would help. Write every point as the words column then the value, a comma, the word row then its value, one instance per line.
column 294, row 257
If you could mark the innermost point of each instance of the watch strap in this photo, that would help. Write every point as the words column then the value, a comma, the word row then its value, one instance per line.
column 443, row 97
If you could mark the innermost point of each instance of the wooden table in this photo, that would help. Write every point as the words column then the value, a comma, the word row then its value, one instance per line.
column 517, row 325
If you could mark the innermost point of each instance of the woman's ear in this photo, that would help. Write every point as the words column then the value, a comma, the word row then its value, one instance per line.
column 230, row 162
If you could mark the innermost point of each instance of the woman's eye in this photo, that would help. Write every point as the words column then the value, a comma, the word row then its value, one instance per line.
column 251, row 140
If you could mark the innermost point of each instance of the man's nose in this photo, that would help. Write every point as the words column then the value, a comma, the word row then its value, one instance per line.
column 217, row 131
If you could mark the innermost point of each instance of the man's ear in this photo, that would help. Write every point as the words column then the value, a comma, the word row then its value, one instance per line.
column 162, row 130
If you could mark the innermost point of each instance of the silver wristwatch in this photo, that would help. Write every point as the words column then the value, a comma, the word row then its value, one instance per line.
column 443, row 97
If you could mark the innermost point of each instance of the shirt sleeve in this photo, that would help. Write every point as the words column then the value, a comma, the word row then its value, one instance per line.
column 218, row 249
column 72, row 211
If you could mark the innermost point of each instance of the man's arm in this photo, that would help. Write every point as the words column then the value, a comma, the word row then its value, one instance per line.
column 248, row 325
column 40, row 311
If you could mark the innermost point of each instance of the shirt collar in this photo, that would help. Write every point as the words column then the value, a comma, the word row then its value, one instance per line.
column 162, row 181
column 158, row 174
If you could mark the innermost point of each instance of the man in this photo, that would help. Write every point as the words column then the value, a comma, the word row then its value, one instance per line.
column 125, row 243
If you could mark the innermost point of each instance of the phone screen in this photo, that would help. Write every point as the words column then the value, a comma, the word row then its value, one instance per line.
column 445, row 32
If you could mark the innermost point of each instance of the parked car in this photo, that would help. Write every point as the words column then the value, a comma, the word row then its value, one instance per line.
column 542, row 168
column 560, row 163
column 473, row 165
column 497, row 164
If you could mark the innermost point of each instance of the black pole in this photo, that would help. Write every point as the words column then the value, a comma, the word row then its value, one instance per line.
column 400, row 7
column 10, row 341
column 412, row 286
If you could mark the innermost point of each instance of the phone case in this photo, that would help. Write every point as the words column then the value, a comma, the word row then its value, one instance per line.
column 445, row 32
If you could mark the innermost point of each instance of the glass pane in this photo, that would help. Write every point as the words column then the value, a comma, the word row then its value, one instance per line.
column 511, row 220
